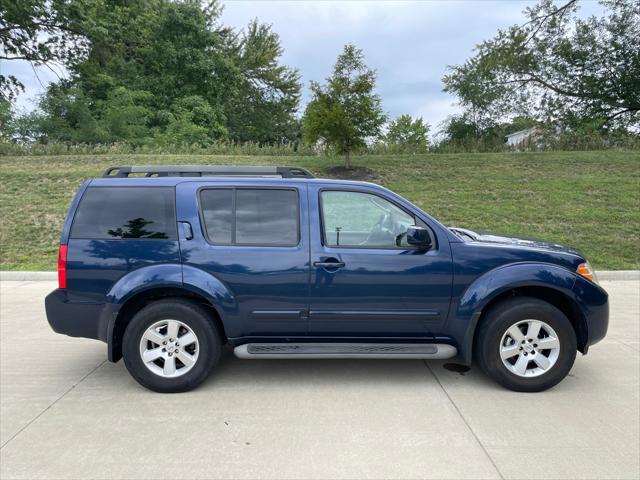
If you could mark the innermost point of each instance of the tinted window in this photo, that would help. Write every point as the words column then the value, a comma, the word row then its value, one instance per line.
column 251, row 216
column 356, row 219
column 125, row 213
column 217, row 211
column 267, row 217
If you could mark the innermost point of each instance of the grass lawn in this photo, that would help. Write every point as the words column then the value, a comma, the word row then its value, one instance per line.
column 590, row 200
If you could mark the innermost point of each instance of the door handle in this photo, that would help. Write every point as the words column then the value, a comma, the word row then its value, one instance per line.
column 186, row 230
column 329, row 264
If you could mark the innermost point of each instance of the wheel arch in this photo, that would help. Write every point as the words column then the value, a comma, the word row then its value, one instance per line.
column 546, row 282
column 567, row 305
column 141, row 299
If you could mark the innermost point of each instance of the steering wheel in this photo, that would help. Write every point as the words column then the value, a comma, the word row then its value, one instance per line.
column 382, row 230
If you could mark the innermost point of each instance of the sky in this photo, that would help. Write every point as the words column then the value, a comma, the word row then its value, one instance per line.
column 408, row 43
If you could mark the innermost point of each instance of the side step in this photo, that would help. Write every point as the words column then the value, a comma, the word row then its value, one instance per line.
column 345, row 350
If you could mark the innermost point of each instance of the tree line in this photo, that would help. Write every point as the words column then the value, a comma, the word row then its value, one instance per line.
column 162, row 72
column 152, row 71
column 574, row 78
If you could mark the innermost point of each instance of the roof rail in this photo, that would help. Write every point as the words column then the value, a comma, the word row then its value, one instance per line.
column 206, row 170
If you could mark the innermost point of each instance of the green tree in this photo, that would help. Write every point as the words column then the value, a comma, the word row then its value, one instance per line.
column 345, row 112
column 6, row 120
column 192, row 121
column 263, row 109
column 42, row 32
column 459, row 128
column 144, row 57
column 160, row 71
column 462, row 133
column 125, row 115
column 556, row 66
column 68, row 117
column 19, row 128
column 408, row 135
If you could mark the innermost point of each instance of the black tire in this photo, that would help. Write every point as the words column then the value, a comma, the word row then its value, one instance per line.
column 192, row 315
column 501, row 317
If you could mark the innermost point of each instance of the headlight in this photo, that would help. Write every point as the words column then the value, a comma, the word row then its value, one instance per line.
column 586, row 270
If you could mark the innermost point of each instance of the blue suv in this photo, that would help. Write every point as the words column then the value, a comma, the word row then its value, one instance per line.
column 167, row 264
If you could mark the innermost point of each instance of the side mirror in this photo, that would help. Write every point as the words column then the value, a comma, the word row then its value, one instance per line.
column 419, row 237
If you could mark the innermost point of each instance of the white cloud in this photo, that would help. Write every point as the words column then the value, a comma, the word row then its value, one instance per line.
column 408, row 43
column 35, row 80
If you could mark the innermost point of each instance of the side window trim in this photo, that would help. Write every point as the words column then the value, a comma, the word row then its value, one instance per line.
column 417, row 220
column 234, row 243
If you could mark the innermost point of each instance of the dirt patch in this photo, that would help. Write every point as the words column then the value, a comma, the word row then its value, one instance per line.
column 359, row 173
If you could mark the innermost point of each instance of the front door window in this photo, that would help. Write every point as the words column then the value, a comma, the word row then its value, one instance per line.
column 357, row 219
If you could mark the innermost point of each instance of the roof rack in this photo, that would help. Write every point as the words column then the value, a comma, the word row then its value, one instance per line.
column 206, row 170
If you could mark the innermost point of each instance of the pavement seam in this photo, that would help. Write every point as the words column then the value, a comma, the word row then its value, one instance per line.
column 52, row 404
column 464, row 420
column 620, row 342
column 624, row 344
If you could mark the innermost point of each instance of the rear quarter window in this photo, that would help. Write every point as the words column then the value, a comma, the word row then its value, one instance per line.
column 110, row 213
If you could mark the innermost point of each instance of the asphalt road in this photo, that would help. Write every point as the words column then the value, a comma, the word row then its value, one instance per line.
column 67, row 413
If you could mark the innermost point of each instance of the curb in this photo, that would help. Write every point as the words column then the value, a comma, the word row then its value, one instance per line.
column 21, row 276
column 618, row 275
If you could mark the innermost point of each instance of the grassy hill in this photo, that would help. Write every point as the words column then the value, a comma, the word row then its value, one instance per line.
column 590, row 200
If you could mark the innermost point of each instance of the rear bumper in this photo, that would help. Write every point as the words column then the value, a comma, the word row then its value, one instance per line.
column 594, row 302
column 75, row 319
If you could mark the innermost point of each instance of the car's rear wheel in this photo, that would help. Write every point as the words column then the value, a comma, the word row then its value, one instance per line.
column 525, row 344
column 171, row 346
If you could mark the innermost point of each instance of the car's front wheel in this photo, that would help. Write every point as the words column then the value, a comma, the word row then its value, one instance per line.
column 525, row 344
column 171, row 346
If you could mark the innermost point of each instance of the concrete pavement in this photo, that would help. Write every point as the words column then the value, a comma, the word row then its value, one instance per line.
column 66, row 413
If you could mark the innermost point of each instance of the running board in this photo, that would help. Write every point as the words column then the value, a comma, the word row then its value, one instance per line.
column 345, row 350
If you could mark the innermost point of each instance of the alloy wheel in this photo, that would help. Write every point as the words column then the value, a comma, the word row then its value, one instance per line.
column 529, row 348
column 169, row 348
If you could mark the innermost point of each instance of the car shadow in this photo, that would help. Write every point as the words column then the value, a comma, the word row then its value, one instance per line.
column 250, row 375
column 333, row 373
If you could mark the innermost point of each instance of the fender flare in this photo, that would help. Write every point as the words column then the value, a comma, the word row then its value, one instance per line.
column 142, row 279
column 160, row 276
column 496, row 282
column 210, row 287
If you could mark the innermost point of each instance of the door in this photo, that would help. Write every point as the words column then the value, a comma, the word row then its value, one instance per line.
column 366, row 281
column 252, row 236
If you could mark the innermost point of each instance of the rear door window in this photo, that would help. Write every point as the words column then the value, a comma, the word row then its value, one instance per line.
column 251, row 216
column 109, row 213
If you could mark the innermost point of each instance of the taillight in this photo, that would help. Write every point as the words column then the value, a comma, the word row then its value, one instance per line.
column 62, row 267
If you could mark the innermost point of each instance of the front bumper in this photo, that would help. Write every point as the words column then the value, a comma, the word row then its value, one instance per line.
column 73, row 318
